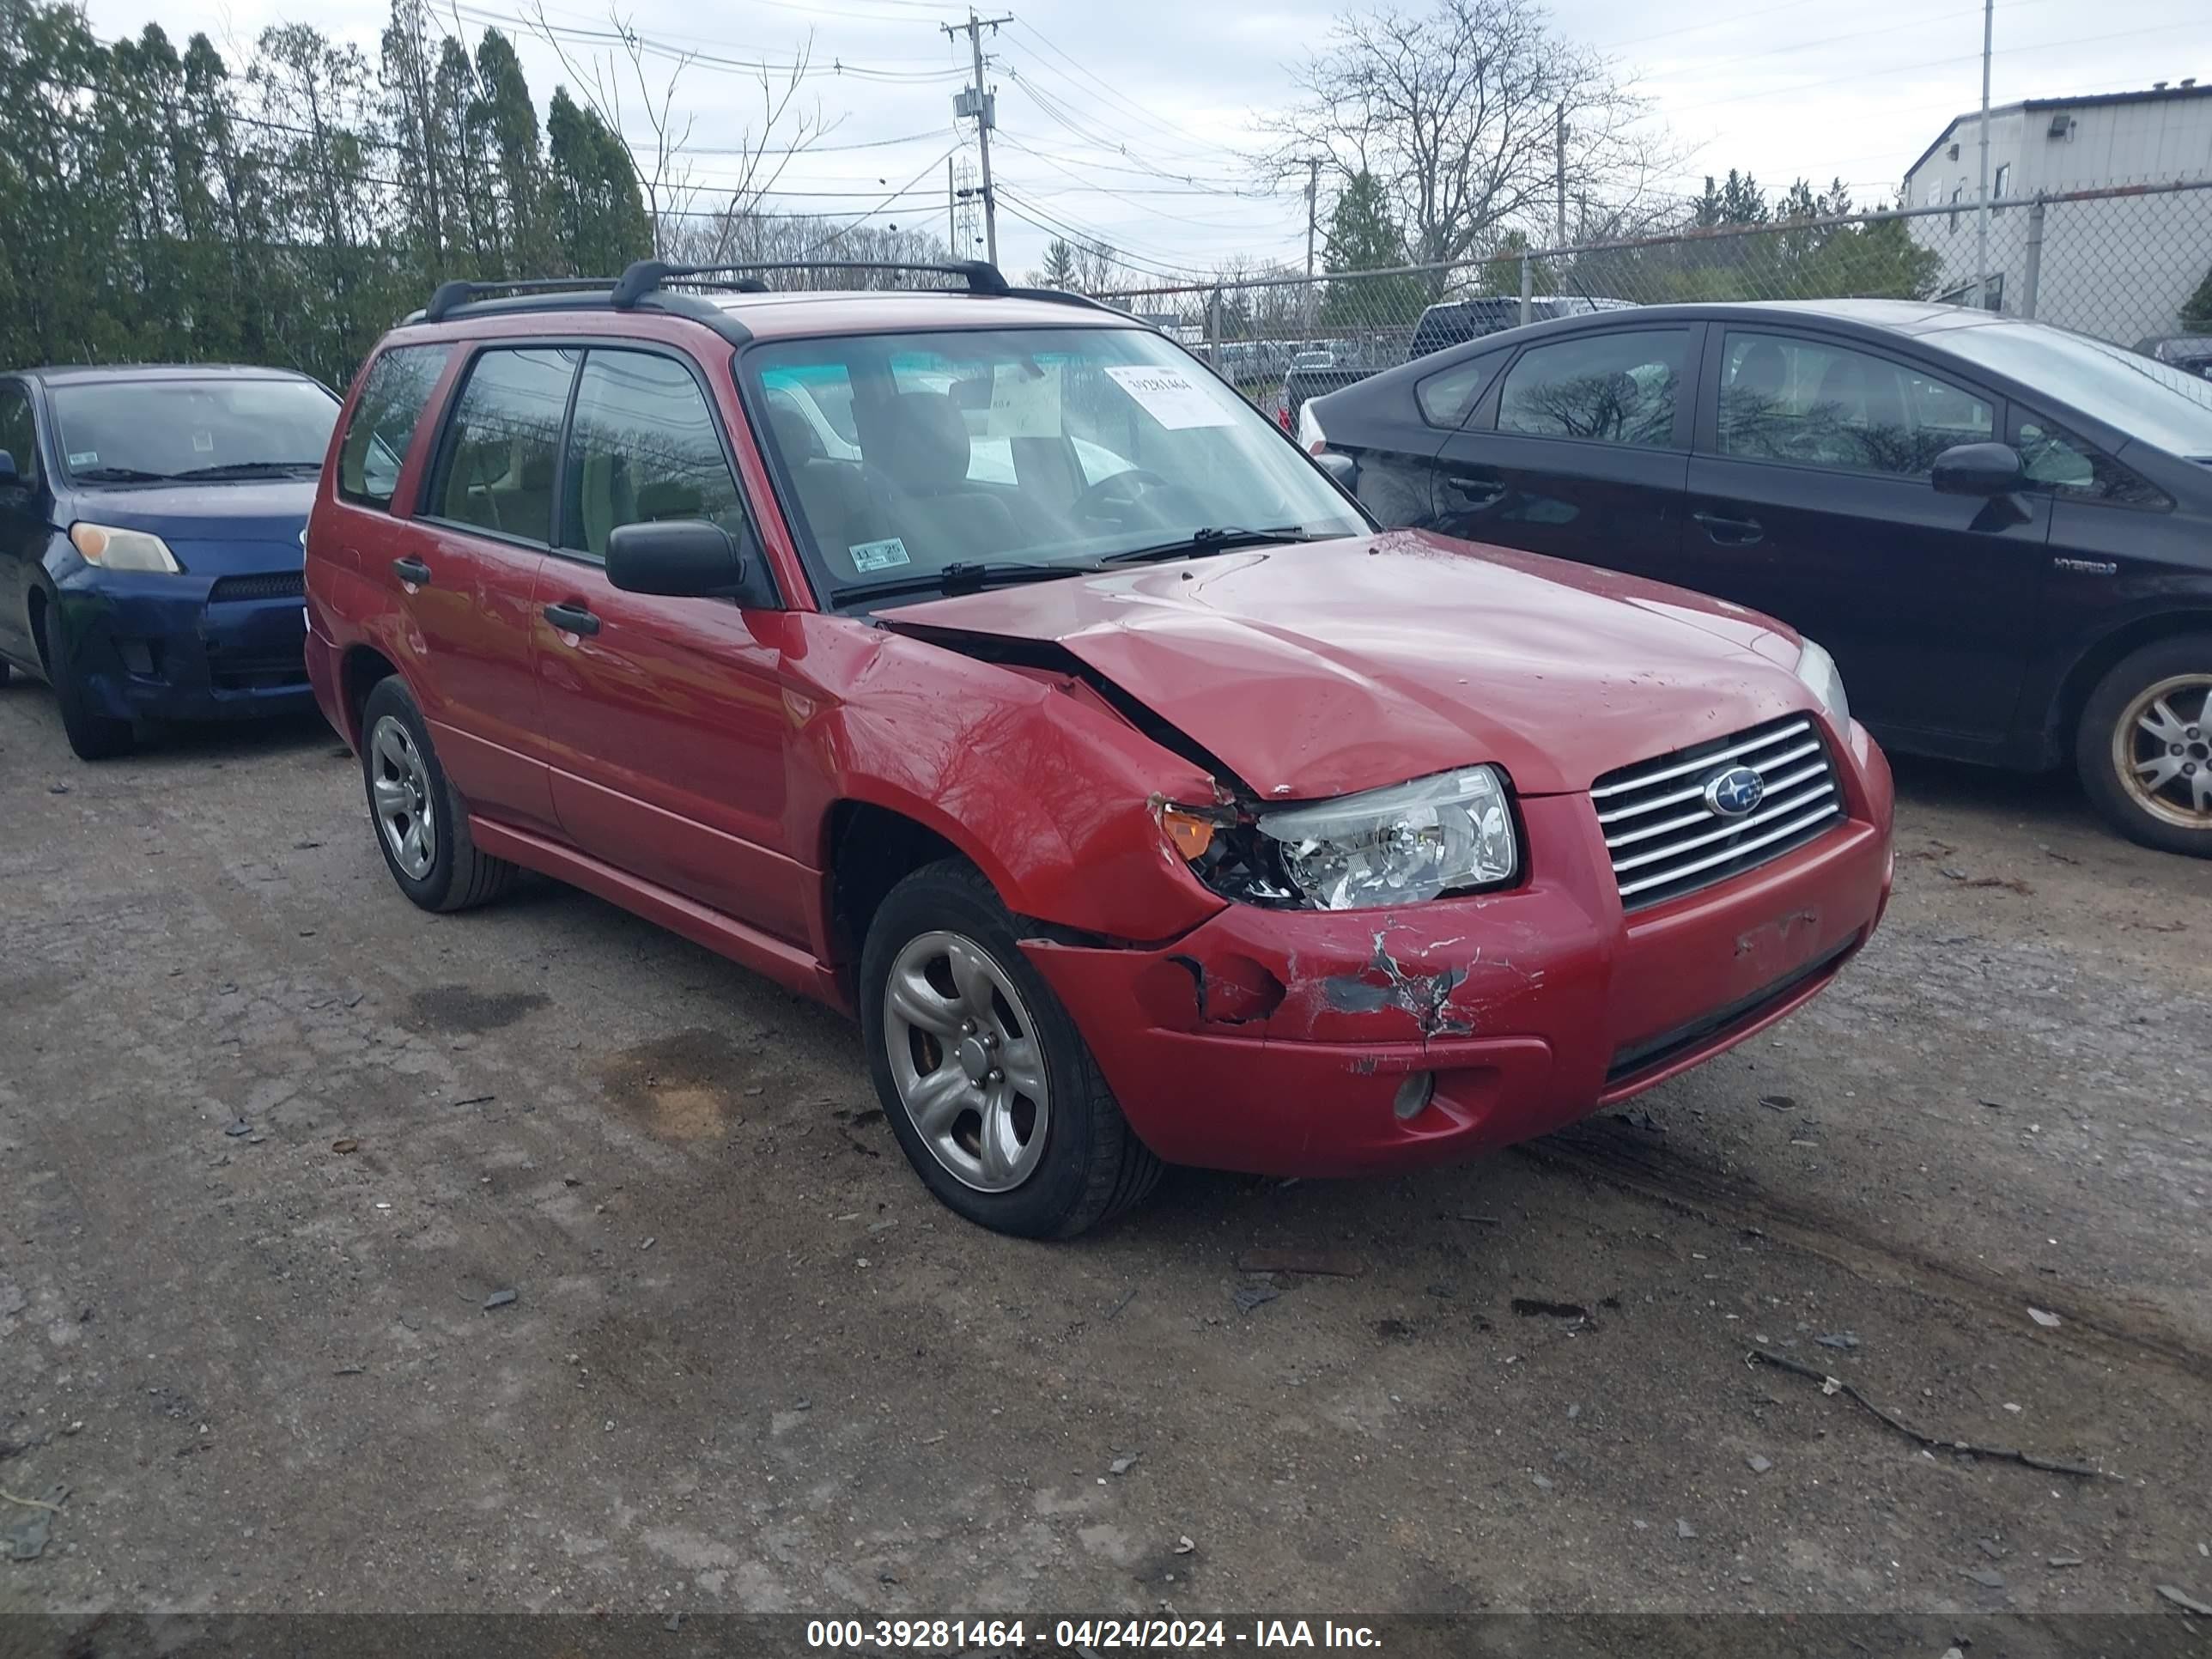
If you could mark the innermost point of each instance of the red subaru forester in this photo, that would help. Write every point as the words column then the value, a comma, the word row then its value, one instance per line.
column 977, row 661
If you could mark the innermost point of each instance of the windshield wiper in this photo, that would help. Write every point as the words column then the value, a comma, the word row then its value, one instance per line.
column 963, row 576
column 119, row 475
column 250, row 469
column 1213, row 539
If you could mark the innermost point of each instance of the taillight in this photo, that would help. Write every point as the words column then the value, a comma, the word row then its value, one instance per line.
column 1310, row 437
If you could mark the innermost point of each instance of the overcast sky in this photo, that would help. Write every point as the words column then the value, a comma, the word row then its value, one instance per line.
column 1129, row 122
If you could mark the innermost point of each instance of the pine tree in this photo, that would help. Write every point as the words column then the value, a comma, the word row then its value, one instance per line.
column 1362, row 236
column 2196, row 310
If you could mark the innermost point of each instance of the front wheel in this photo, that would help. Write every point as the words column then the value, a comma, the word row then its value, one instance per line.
column 93, row 736
column 994, row 1095
column 2144, row 748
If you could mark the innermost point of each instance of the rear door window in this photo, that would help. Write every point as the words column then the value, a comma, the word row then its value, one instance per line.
column 384, row 420
column 1621, row 387
column 503, row 447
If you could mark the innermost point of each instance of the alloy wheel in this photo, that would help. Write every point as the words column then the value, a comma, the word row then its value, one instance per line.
column 399, row 793
column 965, row 1057
column 2162, row 750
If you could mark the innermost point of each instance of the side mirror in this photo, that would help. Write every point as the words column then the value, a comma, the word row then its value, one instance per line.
column 1983, row 470
column 1340, row 467
column 679, row 558
column 9, row 477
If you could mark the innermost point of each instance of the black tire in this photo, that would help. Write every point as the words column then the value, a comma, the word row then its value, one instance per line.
column 1092, row 1166
column 457, row 877
column 93, row 736
column 2109, row 730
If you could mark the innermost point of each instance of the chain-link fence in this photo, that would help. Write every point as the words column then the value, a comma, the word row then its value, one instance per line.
column 2126, row 264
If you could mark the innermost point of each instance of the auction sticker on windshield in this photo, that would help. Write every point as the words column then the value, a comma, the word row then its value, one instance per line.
column 878, row 556
column 1024, row 401
column 1171, row 397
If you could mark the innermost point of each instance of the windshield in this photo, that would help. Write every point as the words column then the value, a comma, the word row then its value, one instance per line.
column 902, row 454
column 178, row 428
column 2150, row 401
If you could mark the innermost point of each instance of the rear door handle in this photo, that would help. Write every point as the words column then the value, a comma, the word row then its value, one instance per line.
column 412, row 569
column 572, row 619
column 1476, row 492
column 1730, row 532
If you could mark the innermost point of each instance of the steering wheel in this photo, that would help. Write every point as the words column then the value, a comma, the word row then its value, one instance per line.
column 1135, row 487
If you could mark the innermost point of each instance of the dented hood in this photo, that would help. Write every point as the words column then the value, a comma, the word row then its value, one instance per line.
column 1320, row 669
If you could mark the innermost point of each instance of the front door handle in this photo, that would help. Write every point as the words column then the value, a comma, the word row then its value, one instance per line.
column 572, row 619
column 1731, row 532
column 411, row 570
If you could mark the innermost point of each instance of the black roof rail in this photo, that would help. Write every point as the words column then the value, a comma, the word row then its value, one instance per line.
column 642, row 283
column 1060, row 296
column 647, row 275
column 447, row 296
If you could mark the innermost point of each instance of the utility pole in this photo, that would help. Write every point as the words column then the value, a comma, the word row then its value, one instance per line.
column 1313, row 209
column 952, row 211
column 1982, row 205
column 977, row 102
column 1313, row 199
column 1560, row 169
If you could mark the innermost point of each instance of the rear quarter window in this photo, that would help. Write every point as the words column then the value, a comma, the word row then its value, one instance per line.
column 383, row 421
column 1447, row 396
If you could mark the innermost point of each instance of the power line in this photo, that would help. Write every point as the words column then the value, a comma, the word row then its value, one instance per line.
column 1147, row 263
column 684, row 56
column 1940, row 62
column 1137, row 109
column 1705, row 64
column 1101, row 190
column 839, row 235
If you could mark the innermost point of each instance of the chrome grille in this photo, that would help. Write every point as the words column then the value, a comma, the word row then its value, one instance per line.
column 1665, row 842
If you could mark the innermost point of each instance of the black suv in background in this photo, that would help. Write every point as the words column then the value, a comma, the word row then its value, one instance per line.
column 2001, row 530
column 1455, row 322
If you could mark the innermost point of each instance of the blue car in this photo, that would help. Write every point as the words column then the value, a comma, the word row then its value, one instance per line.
column 150, row 526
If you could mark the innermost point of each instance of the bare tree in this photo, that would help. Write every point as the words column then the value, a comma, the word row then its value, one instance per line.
column 1457, row 112
column 621, row 80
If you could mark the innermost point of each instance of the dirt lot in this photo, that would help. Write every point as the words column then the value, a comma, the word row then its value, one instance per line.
column 271, row 1141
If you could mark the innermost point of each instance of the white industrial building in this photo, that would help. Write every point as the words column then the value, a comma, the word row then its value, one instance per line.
column 2120, row 267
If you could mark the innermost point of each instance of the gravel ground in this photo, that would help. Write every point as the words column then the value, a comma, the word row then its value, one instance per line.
column 354, row 1259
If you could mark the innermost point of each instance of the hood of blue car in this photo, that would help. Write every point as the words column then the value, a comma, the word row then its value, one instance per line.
column 250, row 510
column 212, row 528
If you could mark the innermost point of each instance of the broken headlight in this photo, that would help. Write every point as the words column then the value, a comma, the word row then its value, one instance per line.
column 1398, row 846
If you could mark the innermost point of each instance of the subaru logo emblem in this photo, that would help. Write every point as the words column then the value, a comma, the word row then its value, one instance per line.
column 1733, row 792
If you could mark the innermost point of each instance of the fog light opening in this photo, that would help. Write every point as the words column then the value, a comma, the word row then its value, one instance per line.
column 1413, row 1096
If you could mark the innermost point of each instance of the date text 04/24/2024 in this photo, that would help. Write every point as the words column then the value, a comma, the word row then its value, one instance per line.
column 966, row 1635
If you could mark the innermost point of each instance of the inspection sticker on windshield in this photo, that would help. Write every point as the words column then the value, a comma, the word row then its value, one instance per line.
column 1024, row 401
column 84, row 458
column 878, row 556
column 1171, row 397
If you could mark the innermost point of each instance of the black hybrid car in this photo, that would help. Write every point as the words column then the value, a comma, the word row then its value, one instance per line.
column 2001, row 530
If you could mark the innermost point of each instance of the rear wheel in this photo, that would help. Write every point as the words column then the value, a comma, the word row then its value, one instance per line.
column 93, row 736
column 2144, row 748
column 420, row 821
column 992, row 1092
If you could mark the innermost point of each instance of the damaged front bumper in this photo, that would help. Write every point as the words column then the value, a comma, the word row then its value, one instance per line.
column 1281, row 1041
